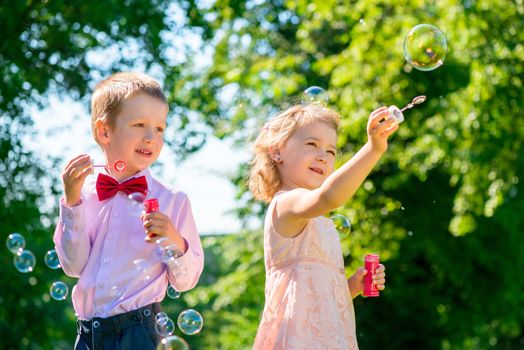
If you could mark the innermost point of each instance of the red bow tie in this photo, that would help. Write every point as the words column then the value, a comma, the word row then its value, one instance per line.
column 107, row 187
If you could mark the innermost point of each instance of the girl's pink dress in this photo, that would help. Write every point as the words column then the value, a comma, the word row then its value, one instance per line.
column 308, row 304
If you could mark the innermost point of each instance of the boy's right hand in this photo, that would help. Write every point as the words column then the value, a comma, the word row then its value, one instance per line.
column 74, row 176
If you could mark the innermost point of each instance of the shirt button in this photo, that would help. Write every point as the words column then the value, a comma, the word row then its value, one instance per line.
column 106, row 260
column 101, row 285
column 110, row 237
column 69, row 216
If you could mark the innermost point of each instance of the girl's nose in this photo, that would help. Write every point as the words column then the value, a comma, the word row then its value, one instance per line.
column 321, row 157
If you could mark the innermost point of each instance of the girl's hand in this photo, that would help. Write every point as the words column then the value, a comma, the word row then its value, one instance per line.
column 379, row 129
column 74, row 176
column 356, row 281
column 159, row 225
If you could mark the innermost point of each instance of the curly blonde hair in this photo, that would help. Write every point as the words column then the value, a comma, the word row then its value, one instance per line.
column 109, row 94
column 264, row 179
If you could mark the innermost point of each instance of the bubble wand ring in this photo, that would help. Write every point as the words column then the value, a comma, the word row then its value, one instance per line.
column 118, row 166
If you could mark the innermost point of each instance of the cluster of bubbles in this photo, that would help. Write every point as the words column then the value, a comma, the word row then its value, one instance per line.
column 25, row 262
column 189, row 322
column 425, row 47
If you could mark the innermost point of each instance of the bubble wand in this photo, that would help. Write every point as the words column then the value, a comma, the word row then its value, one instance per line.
column 119, row 166
column 397, row 114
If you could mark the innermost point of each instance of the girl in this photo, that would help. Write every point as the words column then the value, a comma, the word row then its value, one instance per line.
column 308, row 299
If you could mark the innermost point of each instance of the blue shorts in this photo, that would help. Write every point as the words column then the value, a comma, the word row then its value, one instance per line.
column 132, row 330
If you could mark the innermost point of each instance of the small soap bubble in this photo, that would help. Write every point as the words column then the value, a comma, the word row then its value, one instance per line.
column 15, row 242
column 160, row 316
column 164, row 327
column 142, row 268
column 172, row 343
column 342, row 224
column 135, row 203
column 315, row 94
column 233, row 101
column 170, row 253
column 24, row 261
column 59, row 290
column 190, row 322
column 172, row 292
column 117, row 291
column 425, row 47
column 137, row 197
column 51, row 259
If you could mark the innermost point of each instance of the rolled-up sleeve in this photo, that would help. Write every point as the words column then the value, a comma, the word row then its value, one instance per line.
column 72, row 243
column 185, row 274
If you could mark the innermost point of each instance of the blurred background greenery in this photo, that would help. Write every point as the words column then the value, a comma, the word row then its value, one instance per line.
column 444, row 208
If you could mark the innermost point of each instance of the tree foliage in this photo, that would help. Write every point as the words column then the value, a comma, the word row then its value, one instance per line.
column 442, row 208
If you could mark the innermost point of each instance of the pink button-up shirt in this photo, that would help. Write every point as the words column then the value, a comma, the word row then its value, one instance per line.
column 102, row 243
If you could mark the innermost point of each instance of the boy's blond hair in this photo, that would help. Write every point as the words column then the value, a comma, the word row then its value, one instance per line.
column 110, row 93
column 264, row 180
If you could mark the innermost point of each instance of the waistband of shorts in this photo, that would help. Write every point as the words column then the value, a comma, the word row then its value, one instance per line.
column 116, row 323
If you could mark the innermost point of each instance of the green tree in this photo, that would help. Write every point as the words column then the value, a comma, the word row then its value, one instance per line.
column 442, row 207
column 45, row 49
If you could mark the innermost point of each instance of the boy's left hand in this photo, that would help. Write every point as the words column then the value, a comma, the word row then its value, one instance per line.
column 159, row 225
column 356, row 281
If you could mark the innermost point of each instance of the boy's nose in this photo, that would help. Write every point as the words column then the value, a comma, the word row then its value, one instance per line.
column 149, row 136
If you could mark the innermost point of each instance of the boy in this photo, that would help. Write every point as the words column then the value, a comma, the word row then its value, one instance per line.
column 121, row 275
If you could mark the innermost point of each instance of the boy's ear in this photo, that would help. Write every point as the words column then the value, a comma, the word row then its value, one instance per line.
column 102, row 131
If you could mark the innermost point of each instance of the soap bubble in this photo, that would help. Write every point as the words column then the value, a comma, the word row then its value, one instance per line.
column 59, row 290
column 117, row 291
column 164, row 326
column 172, row 343
column 425, row 47
column 342, row 224
column 315, row 94
column 190, row 322
column 160, row 316
column 51, row 259
column 172, row 292
column 170, row 253
column 24, row 261
column 15, row 242
column 135, row 203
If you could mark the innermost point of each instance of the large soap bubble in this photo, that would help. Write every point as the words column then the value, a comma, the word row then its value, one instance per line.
column 425, row 47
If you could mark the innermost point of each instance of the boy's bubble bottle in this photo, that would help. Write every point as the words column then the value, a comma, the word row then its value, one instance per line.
column 150, row 206
column 371, row 262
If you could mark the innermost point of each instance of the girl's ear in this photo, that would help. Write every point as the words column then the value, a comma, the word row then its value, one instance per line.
column 274, row 153
column 102, row 131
